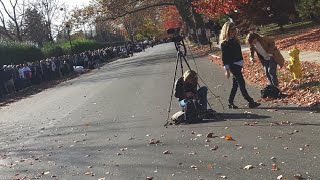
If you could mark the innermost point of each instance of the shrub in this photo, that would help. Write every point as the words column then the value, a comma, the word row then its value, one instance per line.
column 19, row 52
column 52, row 49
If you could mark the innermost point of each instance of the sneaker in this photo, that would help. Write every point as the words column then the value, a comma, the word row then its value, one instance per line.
column 254, row 105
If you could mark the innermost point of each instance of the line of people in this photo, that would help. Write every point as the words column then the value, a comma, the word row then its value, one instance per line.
column 16, row 77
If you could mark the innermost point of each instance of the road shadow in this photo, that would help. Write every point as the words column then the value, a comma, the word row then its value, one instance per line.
column 219, row 117
column 315, row 109
column 243, row 116
column 306, row 124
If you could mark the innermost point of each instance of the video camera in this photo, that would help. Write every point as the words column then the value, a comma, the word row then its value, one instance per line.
column 175, row 32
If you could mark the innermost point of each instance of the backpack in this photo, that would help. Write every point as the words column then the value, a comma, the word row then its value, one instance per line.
column 191, row 112
column 270, row 91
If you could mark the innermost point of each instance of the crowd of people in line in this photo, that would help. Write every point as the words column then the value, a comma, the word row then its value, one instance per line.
column 16, row 77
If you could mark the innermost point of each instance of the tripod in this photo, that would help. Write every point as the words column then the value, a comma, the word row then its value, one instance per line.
column 181, row 56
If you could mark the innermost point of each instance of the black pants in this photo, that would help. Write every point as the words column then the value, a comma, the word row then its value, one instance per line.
column 238, row 81
column 270, row 67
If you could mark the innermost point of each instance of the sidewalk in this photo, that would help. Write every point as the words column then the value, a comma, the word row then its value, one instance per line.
column 311, row 56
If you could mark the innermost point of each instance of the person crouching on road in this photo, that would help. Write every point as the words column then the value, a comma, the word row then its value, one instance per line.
column 233, row 62
column 186, row 89
column 267, row 52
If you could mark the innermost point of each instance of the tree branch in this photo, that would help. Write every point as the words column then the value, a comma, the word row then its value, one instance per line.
column 137, row 10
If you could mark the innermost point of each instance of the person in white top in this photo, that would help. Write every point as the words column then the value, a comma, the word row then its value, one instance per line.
column 21, row 73
column 27, row 72
column 266, row 50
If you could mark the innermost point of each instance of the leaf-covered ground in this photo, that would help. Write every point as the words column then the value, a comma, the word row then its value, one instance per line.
column 305, row 92
column 307, row 40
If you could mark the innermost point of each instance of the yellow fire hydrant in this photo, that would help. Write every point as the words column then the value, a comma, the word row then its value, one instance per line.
column 295, row 65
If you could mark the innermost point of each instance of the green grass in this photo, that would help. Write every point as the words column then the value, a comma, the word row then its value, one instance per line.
column 274, row 29
column 289, row 29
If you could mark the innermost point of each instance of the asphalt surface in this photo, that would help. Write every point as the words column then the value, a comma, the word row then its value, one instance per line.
column 99, row 126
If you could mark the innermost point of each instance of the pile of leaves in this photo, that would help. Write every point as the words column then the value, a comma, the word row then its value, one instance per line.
column 304, row 92
column 201, row 50
column 308, row 40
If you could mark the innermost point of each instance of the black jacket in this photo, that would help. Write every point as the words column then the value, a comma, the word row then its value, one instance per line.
column 231, row 52
column 181, row 88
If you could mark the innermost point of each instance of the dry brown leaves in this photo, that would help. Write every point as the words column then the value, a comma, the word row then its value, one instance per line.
column 308, row 40
column 305, row 92
column 200, row 50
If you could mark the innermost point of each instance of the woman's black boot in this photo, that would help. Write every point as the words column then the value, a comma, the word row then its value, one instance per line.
column 232, row 106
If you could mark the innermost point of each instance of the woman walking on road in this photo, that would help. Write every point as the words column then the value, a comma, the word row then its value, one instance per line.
column 233, row 62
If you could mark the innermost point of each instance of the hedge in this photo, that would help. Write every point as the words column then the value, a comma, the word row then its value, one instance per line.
column 20, row 52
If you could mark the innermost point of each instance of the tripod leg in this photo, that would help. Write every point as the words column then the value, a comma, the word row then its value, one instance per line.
column 181, row 66
column 182, row 56
column 174, row 80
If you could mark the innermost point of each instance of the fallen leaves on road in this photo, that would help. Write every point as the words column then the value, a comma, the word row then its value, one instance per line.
column 228, row 138
column 89, row 174
column 149, row 178
column 214, row 148
column 194, row 167
column 210, row 135
column 274, row 167
column 261, row 164
column 167, row 152
column 210, row 166
column 280, row 177
column 123, row 149
column 153, row 141
column 248, row 167
column 297, row 177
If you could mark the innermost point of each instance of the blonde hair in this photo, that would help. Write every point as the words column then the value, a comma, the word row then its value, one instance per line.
column 189, row 74
column 224, row 35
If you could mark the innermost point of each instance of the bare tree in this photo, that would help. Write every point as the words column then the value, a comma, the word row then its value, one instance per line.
column 53, row 11
column 3, row 30
column 15, row 13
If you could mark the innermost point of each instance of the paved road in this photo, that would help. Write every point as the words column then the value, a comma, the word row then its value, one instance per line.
column 99, row 126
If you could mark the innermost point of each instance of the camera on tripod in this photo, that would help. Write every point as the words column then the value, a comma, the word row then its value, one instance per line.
column 175, row 32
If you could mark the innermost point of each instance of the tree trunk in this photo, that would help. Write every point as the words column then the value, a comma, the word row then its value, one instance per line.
column 18, row 35
column 191, row 18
